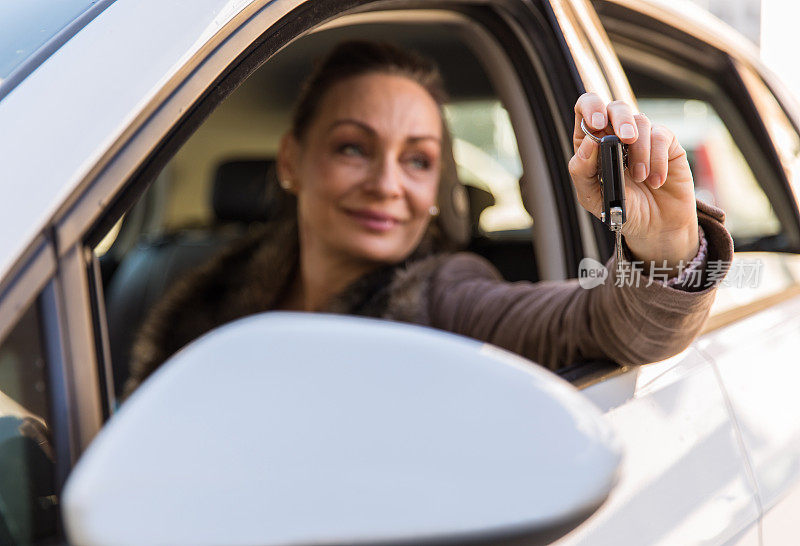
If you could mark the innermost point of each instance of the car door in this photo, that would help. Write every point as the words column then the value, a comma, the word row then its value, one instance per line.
column 220, row 59
column 685, row 479
column 145, row 102
column 741, row 136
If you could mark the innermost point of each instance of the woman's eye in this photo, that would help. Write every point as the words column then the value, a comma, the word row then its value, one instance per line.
column 351, row 150
column 420, row 162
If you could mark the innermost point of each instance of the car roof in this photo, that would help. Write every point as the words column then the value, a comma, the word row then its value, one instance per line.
column 693, row 20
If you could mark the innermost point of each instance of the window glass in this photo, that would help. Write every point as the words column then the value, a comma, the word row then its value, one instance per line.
column 722, row 176
column 27, row 25
column 486, row 154
column 28, row 505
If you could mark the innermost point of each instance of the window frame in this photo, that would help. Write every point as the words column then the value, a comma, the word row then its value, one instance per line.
column 122, row 176
column 634, row 30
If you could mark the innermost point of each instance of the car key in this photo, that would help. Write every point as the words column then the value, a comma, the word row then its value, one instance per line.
column 612, row 180
column 613, row 159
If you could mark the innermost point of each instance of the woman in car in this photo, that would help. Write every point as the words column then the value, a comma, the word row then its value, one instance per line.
column 370, row 187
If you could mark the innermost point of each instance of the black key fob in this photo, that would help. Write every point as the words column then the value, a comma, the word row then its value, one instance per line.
column 612, row 179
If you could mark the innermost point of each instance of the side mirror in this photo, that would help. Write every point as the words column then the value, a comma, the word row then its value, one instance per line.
column 310, row 428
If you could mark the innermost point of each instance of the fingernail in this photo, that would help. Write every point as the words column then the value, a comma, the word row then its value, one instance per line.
column 626, row 130
column 639, row 172
column 598, row 120
column 654, row 182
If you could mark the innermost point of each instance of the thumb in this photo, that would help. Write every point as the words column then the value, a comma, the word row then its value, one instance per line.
column 583, row 170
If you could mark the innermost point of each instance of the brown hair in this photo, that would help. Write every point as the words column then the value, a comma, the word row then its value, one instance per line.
column 356, row 58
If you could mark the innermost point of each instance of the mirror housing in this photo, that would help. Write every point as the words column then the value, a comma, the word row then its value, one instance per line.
column 301, row 428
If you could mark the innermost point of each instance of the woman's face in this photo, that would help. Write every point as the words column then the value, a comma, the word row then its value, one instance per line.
column 367, row 170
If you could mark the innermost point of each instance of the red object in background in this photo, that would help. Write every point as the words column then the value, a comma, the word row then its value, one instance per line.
column 703, row 172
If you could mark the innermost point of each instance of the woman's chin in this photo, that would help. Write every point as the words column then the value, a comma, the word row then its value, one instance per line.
column 379, row 251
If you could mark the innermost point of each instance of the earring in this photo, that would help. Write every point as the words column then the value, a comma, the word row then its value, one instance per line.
column 286, row 184
column 434, row 210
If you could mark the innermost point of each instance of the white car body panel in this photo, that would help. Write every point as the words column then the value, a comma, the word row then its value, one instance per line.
column 760, row 368
column 683, row 479
column 145, row 43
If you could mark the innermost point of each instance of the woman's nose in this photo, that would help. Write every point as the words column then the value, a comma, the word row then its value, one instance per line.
column 386, row 178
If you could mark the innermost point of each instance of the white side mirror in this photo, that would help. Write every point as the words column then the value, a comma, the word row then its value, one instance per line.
column 326, row 429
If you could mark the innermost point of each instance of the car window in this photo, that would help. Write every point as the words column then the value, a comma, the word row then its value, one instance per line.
column 28, row 505
column 722, row 176
column 221, row 183
column 741, row 147
column 705, row 95
column 723, row 152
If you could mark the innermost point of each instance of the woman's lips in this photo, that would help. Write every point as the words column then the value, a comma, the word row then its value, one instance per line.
column 373, row 220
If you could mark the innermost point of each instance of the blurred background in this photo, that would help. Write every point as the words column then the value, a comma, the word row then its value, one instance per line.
column 769, row 24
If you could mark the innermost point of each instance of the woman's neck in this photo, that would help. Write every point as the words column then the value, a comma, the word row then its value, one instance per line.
column 321, row 277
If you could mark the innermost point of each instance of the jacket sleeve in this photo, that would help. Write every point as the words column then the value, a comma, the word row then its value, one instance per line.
column 558, row 323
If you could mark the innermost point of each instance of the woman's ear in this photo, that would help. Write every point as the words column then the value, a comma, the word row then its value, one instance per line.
column 287, row 164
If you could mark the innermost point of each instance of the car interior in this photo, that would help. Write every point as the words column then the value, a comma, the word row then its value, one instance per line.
column 221, row 183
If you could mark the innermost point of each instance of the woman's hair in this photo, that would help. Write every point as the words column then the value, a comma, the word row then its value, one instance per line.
column 356, row 58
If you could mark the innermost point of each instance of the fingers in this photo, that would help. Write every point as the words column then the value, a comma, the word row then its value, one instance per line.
column 649, row 146
column 592, row 109
column 597, row 116
column 583, row 170
column 639, row 151
column 623, row 122
column 660, row 142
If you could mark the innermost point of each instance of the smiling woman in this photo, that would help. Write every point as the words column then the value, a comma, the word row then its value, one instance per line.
column 363, row 159
column 365, row 168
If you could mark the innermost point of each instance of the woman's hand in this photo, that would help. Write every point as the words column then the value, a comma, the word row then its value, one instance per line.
column 661, row 223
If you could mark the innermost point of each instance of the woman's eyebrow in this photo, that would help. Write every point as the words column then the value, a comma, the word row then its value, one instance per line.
column 424, row 137
column 351, row 121
column 371, row 131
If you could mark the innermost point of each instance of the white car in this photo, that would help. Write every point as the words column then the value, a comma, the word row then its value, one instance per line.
column 137, row 140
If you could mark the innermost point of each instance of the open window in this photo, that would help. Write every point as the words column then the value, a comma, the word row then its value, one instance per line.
column 218, row 185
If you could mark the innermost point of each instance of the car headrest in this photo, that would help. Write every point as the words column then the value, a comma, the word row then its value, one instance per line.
column 244, row 191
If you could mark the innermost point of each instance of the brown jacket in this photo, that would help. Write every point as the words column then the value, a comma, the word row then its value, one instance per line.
column 553, row 323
